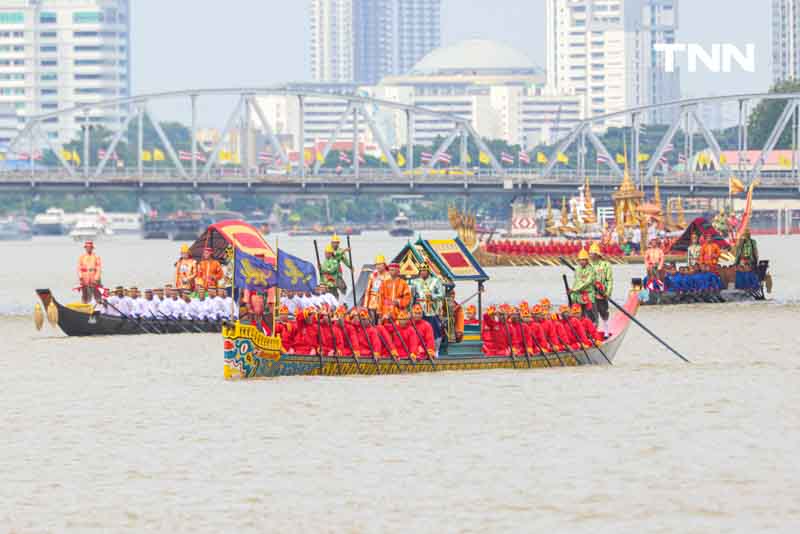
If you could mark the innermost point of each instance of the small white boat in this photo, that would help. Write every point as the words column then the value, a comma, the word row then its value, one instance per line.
column 125, row 223
column 51, row 222
column 401, row 227
column 91, row 224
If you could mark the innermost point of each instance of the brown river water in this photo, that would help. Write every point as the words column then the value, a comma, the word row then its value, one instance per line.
column 142, row 433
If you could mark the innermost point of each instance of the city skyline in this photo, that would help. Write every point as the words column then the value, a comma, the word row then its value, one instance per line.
column 247, row 57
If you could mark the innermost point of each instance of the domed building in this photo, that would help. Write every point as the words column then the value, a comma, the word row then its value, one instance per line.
column 496, row 87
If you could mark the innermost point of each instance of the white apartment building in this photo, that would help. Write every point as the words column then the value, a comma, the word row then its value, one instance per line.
column 604, row 49
column 493, row 86
column 785, row 40
column 366, row 40
column 57, row 54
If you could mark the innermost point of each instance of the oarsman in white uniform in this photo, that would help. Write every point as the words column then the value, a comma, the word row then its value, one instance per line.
column 327, row 298
column 198, row 310
column 116, row 303
column 136, row 303
column 182, row 305
column 222, row 308
column 229, row 304
column 166, row 309
column 158, row 298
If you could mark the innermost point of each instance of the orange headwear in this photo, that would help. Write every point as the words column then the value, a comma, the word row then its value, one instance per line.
column 364, row 313
column 341, row 311
column 545, row 302
column 524, row 312
column 283, row 310
column 402, row 315
column 554, row 316
column 576, row 308
column 524, row 305
column 505, row 308
column 564, row 308
column 417, row 309
column 491, row 310
column 310, row 311
column 472, row 309
column 537, row 309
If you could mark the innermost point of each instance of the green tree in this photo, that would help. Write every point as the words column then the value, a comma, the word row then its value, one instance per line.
column 766, row 114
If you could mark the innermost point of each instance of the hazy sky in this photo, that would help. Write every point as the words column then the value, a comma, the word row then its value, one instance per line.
column 181, row 44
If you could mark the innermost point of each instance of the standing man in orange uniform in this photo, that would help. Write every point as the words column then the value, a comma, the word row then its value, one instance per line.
column 90, row 270
column 395, row 293
column 186, row 270
column 209, row 271
column 372, row 296
column 709, row 253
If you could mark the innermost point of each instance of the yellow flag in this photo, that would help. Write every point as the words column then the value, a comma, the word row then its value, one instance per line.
column 723, row 160
column 735, row 186
column 158, row 155
column 562, row 158
column 541, row 158
column 225, row 156
column 235, row 158
column 320, row 157
column 67, row 155
column 308, row 156
column 785, row 162
column 644, row 157
column 621, row 159
column 483, row 157
column 76, row 158
column 401, row 160
column 147, row 155
column 384, row 159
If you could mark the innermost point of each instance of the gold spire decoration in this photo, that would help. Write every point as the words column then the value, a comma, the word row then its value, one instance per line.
column 588, row 205
column 549, row 222
column 564, row 214
column 669, row 223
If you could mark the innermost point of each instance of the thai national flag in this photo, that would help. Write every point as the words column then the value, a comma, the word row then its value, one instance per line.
column 507, row 158
column 37, row 156
column 344, row 158
column 524, row 157
column 669, row 148
column 445, row 158
column 603, row 159
column 426, row 157
column 265, row 157
column 184, row 155
column 200, row 157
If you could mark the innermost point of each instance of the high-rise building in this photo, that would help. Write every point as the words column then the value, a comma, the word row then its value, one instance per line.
column 605, row 50
column 366, row 40
column 785, row 40
column 58, row 54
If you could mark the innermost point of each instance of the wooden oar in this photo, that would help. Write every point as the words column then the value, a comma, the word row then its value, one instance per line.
column 524, row 343
column 541, row 351
column 566, row 346
column 335, row 348
column 635, row 320
column 349, row 342
column 422, row 340
column 402, row 341
column 574, row 332
column 510, row 344
column 123, row 316
column 371, row 348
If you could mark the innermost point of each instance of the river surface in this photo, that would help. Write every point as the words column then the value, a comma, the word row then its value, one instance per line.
column 142, row 433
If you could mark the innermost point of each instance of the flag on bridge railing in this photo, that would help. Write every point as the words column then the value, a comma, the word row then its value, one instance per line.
column 541, row 157
column 669, row 148
column 344, row 158
column 484, row 158
column 184, row 155
column 147, row 155
column 524, row 158
column 101, row 154
column 622, row 159
column 426, row 157
column 252, row 273
column 265, row 157
column 158, row 155
column 604, row 160
column 445, row 158
column 562, row 158
column 295, row 274
column 401, row 160
column 506, row 158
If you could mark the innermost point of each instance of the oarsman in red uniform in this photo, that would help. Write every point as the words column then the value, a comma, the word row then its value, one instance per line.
column 400, row 335
column 367, row 336
column 517, row 331
column 305, row 339
column 592, row 334
column 493, row 334
column 564, row 331
column 428, row 349
column 384, row 335
column 285, row 329
column 332, row 342
column 534, row 335
column 574, row 327
column 90, row 271
column 543, row 320
column 345, row 331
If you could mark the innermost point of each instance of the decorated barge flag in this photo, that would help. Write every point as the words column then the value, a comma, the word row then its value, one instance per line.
column 253, row 273
column 295, row 274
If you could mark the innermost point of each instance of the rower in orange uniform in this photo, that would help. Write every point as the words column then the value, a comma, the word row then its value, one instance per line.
column 395, row 293
column 209, row 270
column 185, row 270
column 90, row 270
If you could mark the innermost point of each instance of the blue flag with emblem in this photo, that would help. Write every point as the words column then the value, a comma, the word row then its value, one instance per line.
column 295, row 274
column 253, row 273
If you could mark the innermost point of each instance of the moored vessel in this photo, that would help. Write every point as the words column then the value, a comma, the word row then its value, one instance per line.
column 401, row 226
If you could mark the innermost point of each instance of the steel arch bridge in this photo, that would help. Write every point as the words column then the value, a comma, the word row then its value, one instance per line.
column 188, row 173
